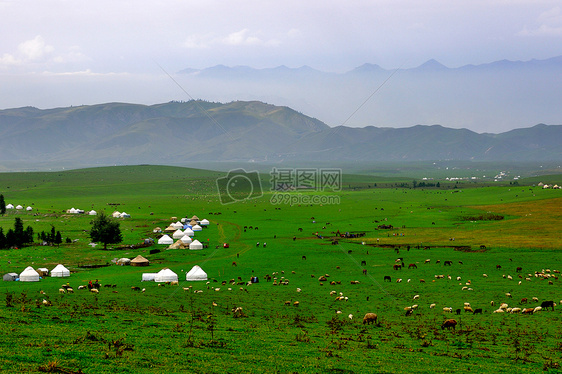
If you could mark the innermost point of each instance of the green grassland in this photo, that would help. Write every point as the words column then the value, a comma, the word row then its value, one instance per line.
column 171, row 329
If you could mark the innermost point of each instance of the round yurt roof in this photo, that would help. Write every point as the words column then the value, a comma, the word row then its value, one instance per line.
column 176, row 245
column 177, row 234
column 165, row 240
column 116, row 214
column 29, row 208
column 183, row 220
column 166, row 275
column 92, row 212
column 189, row 232
column 139, row 261
column 177, row 225
column 60, row 271
column 170, row 229
column 197, row 228
column 125, row 215
column 196, row 244
column 196, row 274
column 29, row 275
column 193, row 222
column 10, row 206
column 19, row 207
column 195, row 218
column 204, row 222
column 186, row 239
column 157, row 229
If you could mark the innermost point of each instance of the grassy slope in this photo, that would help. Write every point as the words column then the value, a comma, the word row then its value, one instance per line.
column 170, row 328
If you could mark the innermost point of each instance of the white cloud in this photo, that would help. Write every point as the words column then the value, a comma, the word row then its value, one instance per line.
column 35, row 49
column 550, row 24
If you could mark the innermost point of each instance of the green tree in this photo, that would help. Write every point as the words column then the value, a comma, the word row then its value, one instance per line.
column 19, row 233
column 2, row 205
column 58, row 238
column 3, row 243
column 105, row 230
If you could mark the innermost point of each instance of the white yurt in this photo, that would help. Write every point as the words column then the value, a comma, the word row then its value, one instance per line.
column 166, row 275
column 29, row 275
column 116, row 214
column 177, row 234
column 19, row 207
column 147, row 277
column 10, row 206
column 196, row 274
column 29, row 209
column 197, row 228
column 124, row 215
column 205, row 222
column 186, row 239
column 196, row 244
column 189, row 232
column 60, row 271
column 178, row 225
column 93, row 213
column 165, row 240
column 124, row 261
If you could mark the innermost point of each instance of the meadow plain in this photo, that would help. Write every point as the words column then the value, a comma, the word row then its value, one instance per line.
column 169, row 329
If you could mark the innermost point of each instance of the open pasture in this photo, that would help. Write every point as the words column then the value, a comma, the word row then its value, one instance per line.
column 172, row 329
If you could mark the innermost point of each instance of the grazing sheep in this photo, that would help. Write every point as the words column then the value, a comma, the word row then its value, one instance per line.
column 350, row 316
column 398, row 280
column 409, row 312
column 536, row 299
column 499, row 311
column 450, row 323
column 135, row 288
column 70, row 290
column 82, row 287
column 448, row 310
column 468, row 309
column 47, row 302
column 416, row 297
column 528, row 310
column 515, row 310
column 422, row 280
column 492, row 303
column 523, row 301
column 296, row 303
column 370, row 318
column 504, row 306
column 415, row 306
column 508, row 295
column 355, row 282
column 287, row 302
column 94, row 290
column 407, row 308
column 62, row 290
column 431, row 306
column 485, row 275
column 537, row 309
column 144, row 289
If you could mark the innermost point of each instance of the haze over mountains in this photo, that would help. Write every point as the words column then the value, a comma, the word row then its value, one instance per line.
column 195, row 131
column 493, row 97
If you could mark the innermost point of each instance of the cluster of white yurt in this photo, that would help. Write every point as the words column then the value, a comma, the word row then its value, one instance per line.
column 75, row 211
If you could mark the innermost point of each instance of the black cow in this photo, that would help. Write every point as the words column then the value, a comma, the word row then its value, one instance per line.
column 547, row 304
column 387, row 278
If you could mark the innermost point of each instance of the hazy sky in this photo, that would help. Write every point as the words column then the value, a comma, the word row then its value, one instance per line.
column 61, row 53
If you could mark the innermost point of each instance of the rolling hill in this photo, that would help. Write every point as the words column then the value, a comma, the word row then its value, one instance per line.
column 194, row 131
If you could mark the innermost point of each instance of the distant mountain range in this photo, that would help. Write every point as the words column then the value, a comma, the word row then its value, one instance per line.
column 196, row 131
column 501, row 95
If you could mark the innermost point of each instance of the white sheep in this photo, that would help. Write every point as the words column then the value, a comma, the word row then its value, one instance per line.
column 416, row 297
column 537, row 309
column 62, row 290
column 515, row 310
column 350, row 316
column 504, row 306
column 485, row 275
column 431, row 306
column 94, row 290
column 448, row 310
column 499, row 311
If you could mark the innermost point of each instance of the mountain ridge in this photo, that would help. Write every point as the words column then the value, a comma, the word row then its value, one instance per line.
column 177, row 132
